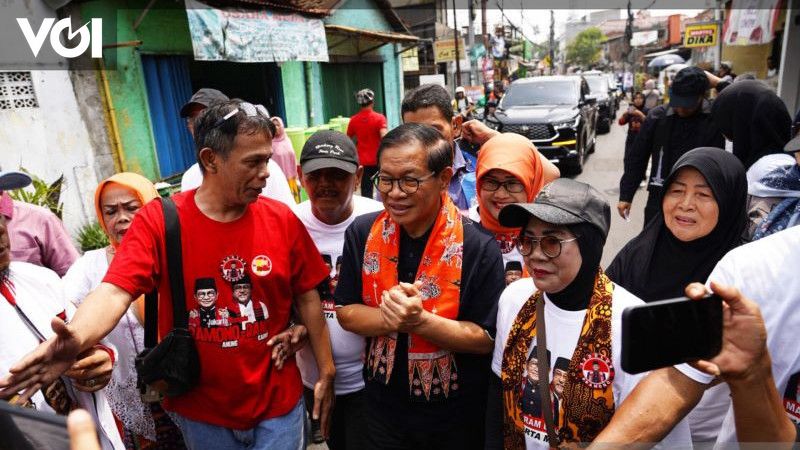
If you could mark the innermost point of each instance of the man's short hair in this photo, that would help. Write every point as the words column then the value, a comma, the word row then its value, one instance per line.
column 440, row 152
column 428, row 95
column 217, row 134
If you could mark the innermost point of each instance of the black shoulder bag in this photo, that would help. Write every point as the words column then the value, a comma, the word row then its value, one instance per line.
column 170, row 367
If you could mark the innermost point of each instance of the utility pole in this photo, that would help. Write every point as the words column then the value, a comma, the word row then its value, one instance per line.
column 552, row 41
column 628, row 37
column 473, row 76
column 718, row 20
column 455, row 37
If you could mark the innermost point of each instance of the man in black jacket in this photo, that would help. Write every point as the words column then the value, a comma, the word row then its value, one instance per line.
column 668, row 132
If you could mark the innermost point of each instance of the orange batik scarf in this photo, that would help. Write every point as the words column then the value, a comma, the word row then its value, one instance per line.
column 588, row 402
column 432, row 372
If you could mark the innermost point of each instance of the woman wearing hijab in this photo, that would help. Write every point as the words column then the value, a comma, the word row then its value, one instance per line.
column 634, row 117
column 117, row 200
column 773, row 185
column 283, row 154
column 564, row 325
column 754, row 118
column 510, row 170
column 702, row 218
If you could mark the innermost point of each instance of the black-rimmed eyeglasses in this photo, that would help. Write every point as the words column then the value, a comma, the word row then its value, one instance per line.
column 551, row 245
column 249, row 109
column 511, row 186
column 408, row 185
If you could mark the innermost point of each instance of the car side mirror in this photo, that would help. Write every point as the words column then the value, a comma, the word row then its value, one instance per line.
column 588, row 101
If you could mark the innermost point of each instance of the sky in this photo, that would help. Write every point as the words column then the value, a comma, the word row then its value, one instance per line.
column 535, row 23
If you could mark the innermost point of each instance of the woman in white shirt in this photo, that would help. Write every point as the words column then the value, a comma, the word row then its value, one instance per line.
column 117, row 200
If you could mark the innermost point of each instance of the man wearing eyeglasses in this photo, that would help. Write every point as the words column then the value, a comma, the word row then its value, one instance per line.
column 421, row 283
column 228, row 231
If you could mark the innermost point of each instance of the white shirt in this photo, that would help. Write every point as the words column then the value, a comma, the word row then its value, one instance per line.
column 509, row 254
column 127, row 337
column 766, row 271
column 39, row 294
column 348, row 348
column 563, row 331
column 277, row 186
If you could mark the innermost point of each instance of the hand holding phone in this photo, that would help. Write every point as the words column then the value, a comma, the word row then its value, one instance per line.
column 670, row 332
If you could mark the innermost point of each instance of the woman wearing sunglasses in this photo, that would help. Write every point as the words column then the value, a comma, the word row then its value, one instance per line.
column 557, row 375
column 510, row 170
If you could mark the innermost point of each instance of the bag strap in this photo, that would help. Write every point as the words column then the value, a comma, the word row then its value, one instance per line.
column 544, row 375
column 172, row 243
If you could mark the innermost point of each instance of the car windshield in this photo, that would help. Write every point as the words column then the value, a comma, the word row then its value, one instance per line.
column 598, row 85
column 540, row 93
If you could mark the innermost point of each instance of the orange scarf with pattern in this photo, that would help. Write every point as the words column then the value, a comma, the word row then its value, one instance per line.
column 588, row 400
column 432, row 372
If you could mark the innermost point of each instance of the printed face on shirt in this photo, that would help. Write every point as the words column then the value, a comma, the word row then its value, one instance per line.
column 559, row 379
column 690, row 209
column 493, row 201
column 420, row 208
column 532, row 369
column 206, row 297
column 243, row 173
column 118, row 205
column 552, row 275
column 431, row 116
column 5, row 247
column 330, row 191
column 242, row 292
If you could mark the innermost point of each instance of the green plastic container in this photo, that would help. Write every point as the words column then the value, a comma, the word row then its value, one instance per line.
column 340, row 123
column 297, row 137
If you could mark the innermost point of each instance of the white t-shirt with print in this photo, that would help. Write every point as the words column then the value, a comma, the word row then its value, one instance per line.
column 277, row 186
column 348, row 348
column 766, row 271
column 563, row 330
column 508, row 250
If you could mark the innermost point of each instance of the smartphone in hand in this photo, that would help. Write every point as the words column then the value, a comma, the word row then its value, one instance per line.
column 670, row 332
column 25, row 428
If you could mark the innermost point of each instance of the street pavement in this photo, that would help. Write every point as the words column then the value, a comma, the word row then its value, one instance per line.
column 603, row 170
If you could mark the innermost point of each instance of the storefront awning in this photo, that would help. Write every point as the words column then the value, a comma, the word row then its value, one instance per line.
column 378, row 37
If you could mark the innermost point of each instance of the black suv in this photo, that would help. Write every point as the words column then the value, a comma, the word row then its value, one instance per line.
column 555, row 113
column 606, row 104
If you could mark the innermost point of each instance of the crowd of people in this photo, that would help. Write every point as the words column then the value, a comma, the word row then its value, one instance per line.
column 457, row 302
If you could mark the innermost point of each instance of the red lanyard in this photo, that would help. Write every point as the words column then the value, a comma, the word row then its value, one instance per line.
column 7, row 291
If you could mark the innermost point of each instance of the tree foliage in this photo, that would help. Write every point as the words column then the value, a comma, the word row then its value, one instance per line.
column 584, row 50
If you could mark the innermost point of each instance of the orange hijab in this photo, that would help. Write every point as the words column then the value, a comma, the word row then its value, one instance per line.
column 145, row 191
column 518, row 156
column 140, row 185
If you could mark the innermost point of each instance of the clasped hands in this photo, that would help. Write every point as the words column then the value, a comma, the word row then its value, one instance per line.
column 401, row 308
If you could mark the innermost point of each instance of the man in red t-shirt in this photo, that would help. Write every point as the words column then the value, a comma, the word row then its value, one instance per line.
column 228, row 233
column 367, row 127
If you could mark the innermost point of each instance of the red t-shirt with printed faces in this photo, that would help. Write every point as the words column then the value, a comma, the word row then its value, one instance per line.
column 269, row 258
column 366, row 126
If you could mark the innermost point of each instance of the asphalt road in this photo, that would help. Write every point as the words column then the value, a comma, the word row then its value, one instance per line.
column 603, row 170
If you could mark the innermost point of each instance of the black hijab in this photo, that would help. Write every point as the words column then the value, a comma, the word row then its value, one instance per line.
column 577, row 294
column 655, row 265
column 754, row 118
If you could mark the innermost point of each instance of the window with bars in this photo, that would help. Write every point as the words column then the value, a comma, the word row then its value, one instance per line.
column 16, row 91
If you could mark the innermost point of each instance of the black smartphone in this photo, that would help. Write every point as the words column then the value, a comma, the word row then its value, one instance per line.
column 670, row 332
column 24, row 428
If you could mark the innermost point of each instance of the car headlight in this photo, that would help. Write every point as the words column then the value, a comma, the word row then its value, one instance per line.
column 572, row 123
